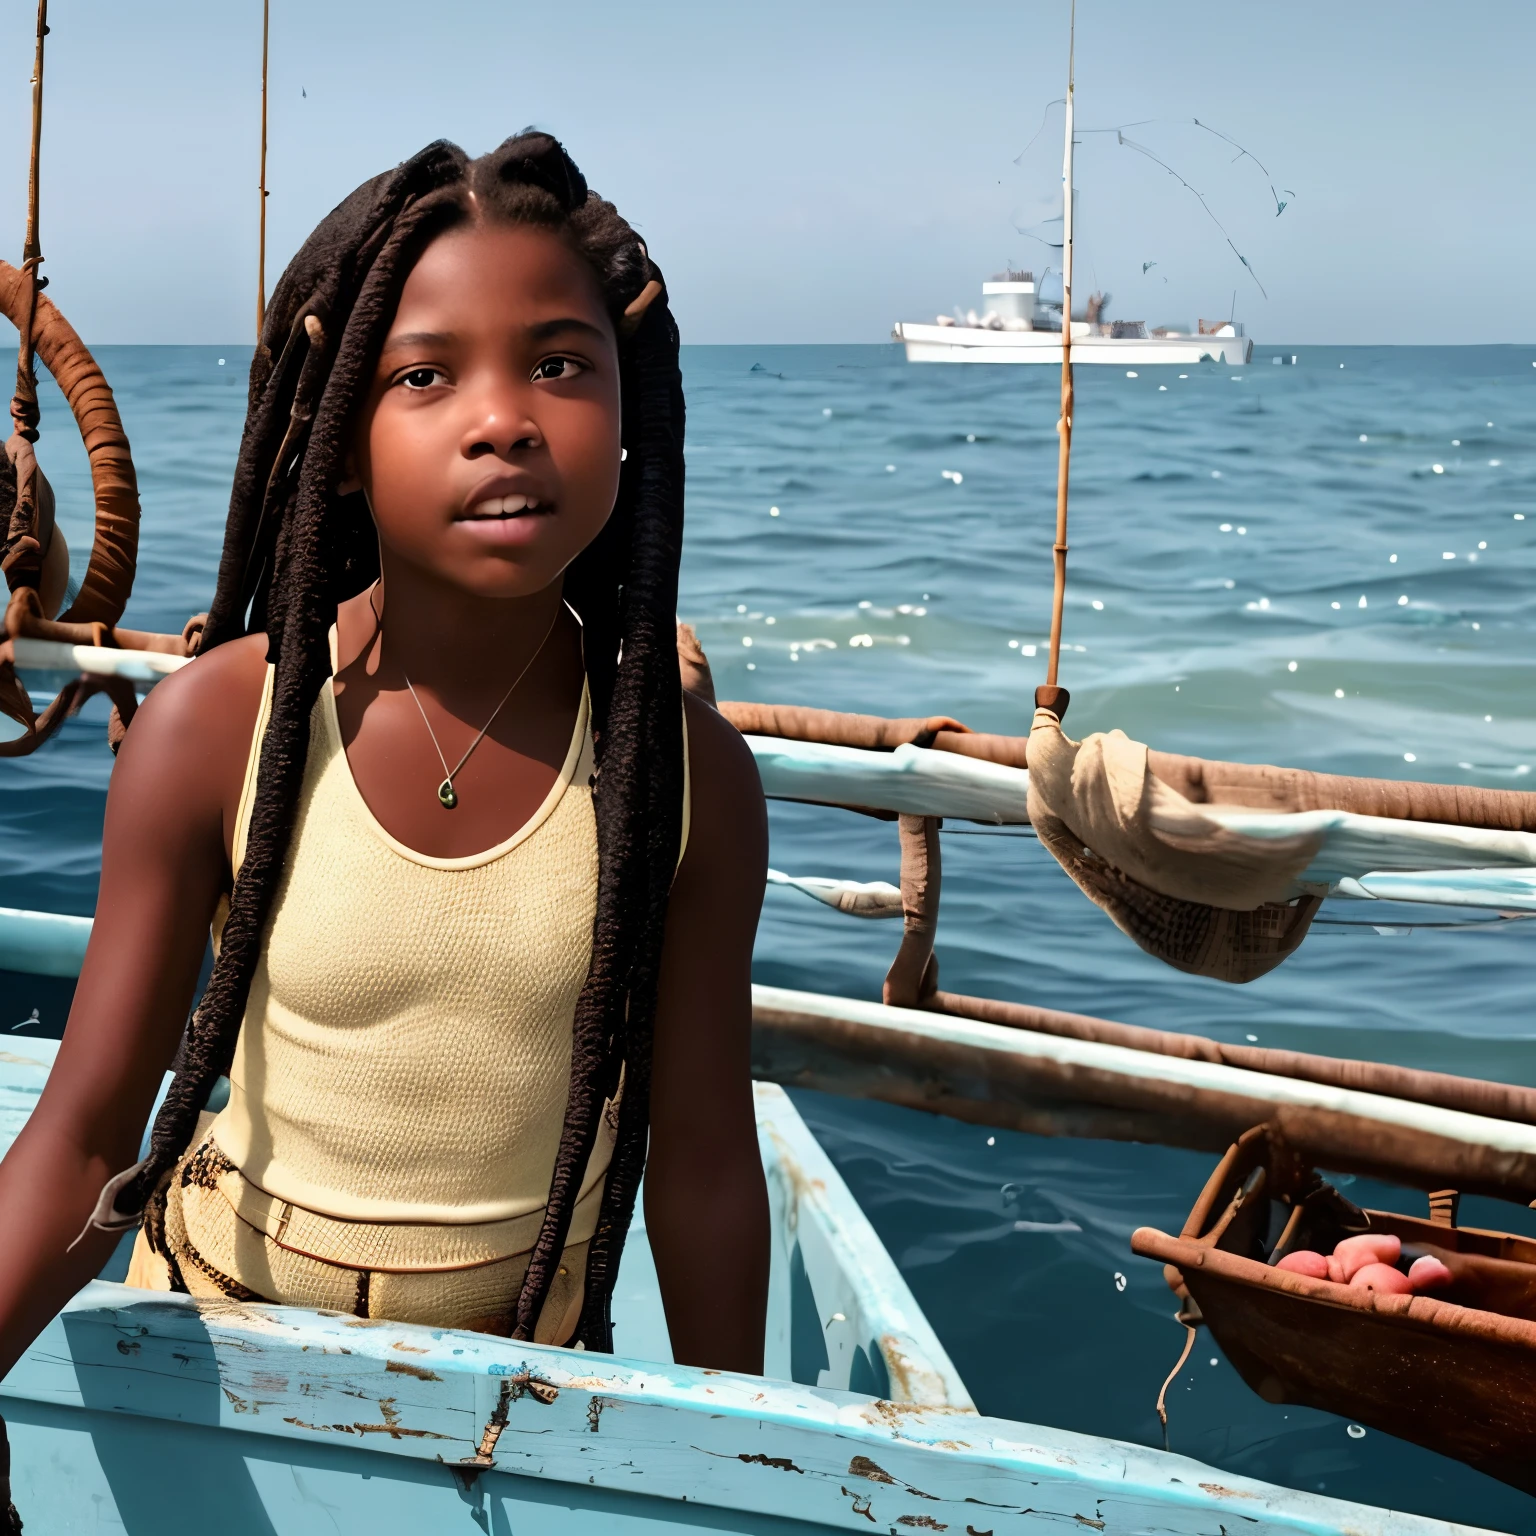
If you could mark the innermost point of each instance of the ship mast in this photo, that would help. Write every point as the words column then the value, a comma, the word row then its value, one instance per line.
column 24, row 413
column 1050, row 696
column 261, row 252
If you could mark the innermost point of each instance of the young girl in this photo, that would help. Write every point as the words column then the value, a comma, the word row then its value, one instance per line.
column 483, row 882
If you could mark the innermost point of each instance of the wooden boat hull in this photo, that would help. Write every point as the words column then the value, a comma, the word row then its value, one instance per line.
column 976, row 344
column 1453, row 1371
column 147, row 1413
column 1477, row 1405
column 142, row 1412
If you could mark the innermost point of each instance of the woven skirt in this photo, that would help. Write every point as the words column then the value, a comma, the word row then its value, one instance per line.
column 222, row 1238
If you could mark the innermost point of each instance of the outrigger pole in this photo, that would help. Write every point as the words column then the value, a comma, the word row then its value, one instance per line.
column 24, row 412
column 1050, row 696
column 261, row 253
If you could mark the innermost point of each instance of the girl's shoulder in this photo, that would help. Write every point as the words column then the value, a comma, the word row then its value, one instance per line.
column 718, row 753
column 194, row 732
column 727, row 815
column 213, row 695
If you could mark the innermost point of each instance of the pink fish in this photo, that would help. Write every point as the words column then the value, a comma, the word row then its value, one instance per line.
column 1428, row 1271
column 1305, row 1262
column 1381, row 1278
column 1354, row 1253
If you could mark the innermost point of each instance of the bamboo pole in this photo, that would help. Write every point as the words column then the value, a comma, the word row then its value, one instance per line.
column 24, row 412
column 1051, row 696
column 1079, row 1079
column 261, row 252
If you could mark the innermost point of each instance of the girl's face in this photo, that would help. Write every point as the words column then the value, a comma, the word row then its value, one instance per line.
column 489, row 442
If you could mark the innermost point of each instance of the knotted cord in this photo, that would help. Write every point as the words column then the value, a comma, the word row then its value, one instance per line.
column 1162, row 1395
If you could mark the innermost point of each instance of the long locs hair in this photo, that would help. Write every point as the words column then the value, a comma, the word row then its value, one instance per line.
column 295, row 547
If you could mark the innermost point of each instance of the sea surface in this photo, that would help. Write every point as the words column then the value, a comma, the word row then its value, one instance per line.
column 1326, row 559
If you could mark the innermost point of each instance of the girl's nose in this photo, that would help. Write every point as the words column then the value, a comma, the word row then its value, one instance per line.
column 500, row 425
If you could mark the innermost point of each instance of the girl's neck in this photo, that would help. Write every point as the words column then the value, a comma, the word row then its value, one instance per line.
column 504, row 678
column 441, row 635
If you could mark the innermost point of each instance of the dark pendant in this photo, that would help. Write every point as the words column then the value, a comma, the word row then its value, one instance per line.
column 447, row 795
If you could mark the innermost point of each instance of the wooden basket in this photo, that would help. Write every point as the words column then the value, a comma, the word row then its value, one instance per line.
column 1454, row 1372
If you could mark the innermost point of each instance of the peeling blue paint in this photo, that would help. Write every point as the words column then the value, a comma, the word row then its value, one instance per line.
column 254, row 1420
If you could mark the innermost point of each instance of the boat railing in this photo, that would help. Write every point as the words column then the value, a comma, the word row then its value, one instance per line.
column 1022, row 1067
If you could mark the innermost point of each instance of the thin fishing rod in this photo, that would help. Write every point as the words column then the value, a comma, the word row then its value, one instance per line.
column 261, row 248
column 1051, row 696
column 24, row 412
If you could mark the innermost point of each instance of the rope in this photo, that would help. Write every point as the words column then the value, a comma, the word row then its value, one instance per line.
column 1162, row 1411
column 108, row 579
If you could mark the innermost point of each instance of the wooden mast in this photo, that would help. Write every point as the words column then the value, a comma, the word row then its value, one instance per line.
column 261, row 253
column 1050, row 696
column 21, row 555
column 24, row 403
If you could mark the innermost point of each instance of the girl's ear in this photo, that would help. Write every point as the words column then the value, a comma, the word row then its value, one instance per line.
column 351, row 481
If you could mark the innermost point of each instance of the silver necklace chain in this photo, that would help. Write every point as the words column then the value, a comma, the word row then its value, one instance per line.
column 447, row 795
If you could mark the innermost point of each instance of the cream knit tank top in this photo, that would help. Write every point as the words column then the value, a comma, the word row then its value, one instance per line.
column 404, row 1059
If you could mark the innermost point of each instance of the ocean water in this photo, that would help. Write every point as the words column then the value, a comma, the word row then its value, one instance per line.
column 1233, row 592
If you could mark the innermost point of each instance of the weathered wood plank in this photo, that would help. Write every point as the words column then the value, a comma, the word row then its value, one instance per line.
column 140, row 1411
column 1056, row 1085
column 313, row 1393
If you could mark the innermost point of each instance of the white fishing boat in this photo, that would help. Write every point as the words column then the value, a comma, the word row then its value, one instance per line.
column 1017, row 325
column 1014, row 325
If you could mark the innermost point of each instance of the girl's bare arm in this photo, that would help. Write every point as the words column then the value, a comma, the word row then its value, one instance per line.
column 164, row 864
column 706, row 1204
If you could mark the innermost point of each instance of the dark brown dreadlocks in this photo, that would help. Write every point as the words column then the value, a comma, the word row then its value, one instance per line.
column 295, row 547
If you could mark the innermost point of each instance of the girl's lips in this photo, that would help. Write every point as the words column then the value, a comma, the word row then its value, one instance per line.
column 504, row 506
column 506, row 530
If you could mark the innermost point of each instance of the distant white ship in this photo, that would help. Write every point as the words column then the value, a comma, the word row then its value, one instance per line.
column 1017, row 326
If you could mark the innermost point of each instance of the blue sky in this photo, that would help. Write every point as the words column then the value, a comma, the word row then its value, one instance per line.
column 812, row 172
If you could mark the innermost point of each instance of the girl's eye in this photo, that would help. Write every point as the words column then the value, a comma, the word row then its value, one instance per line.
column 559, row 368
column 421, row 378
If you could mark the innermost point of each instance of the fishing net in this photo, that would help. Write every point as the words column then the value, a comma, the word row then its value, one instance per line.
column 1127, row 824
column 1197, row 895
